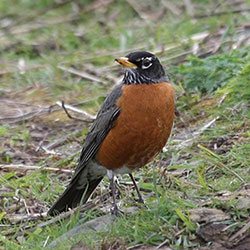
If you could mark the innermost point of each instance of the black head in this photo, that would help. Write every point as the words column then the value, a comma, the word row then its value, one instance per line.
column 142, row 68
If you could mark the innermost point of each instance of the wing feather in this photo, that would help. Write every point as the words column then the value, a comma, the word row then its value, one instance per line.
column 105, row 120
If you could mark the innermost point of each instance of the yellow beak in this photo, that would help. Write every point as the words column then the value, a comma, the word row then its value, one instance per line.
column 125, row 62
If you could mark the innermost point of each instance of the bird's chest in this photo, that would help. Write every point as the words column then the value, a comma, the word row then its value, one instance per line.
column 146, row 111
column 142, row 128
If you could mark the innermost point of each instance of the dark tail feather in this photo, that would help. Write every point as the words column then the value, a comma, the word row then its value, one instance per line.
column 72, row 196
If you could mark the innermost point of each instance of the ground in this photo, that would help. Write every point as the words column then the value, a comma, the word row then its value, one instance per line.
column 197, row 190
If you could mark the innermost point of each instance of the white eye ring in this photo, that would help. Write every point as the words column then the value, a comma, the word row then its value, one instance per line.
column 147, row 66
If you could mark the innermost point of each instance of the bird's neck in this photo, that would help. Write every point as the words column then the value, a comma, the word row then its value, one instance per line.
column 133, row 77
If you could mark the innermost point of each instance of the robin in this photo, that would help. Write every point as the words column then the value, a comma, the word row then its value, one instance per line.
column 131, row 128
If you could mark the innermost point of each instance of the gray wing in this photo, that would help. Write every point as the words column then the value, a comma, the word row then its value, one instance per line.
column 105, row 119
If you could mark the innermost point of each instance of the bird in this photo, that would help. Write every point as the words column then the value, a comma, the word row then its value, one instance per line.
column 130, row 129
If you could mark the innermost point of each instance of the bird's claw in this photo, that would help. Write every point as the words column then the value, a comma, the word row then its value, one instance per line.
column 116, row 211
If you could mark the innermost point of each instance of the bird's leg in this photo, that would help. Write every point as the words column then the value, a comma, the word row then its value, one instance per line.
column 116, row 211
column 137, row 189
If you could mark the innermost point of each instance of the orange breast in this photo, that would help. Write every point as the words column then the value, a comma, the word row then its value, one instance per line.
column 142, row 128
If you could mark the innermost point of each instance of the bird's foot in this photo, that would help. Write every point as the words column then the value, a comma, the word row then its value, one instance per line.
column 140, row 200
column 140, row 203
column 116, row 211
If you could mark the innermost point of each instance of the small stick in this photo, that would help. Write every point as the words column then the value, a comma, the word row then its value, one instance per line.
column 90, row 117
column 195, row 134
column 32, row 217
column 69, row 115
column 35, row 26
column 219, row 13
column 64, row 215
column 221, row 165
column 50, row 152
column 240, row 232
column 25, row 217
column 25, row 205
column 225, row 167
column 162, row 244
column 136, row 188
column 28, row 115
column 60, row 141
column 81, row 74
column 21, row 167
column 46, row 241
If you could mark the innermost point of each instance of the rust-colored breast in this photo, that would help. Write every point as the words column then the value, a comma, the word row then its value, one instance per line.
column 142, row 128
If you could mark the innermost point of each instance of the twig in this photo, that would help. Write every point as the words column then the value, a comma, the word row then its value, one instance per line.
column 162, row 244
column 135, row 246
column 50, row 152
column 90, row 118
column 196, row 134
column 61, row 140
column 222, row 99
column 241, row 40
column 230, row 226
column 221, row 165
column 191, row 184
column 23, row 117
column 39, row 25
column 81, row 74
column 21, row 167
column 102, row 72
column 69, row 115
column 240, row 232
column 219, row 13
column 15, row 218
column 17, row 103
column 180, row 232
column 64, row 215
column 41, row 142
column 25, row 205
column 206, row 126
column 45, row 110
column 29, row 115
column 46, row 241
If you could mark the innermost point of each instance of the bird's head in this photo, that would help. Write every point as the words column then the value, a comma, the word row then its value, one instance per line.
column 142, row 67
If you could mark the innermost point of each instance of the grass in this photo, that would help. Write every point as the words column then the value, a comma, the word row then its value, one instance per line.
column 206, row 75
column 212, row 171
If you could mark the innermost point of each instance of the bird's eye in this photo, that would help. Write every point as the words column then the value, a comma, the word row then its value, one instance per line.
column 146, row 64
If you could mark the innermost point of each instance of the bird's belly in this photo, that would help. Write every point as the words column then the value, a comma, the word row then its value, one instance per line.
column 141, row 130
column 122, row 170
